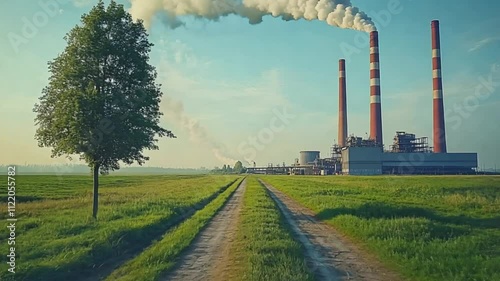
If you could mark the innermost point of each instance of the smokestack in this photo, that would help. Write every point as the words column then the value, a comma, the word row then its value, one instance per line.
column 375, row 108
column 439, row 135
column 342, row 104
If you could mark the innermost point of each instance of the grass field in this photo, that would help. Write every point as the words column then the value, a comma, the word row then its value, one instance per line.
column 264, row 248
column 427, row 228
column 160, row 257
column 56, row 238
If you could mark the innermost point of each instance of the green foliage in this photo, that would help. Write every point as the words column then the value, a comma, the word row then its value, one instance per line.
column 226, row 169
column 238, row 167
column 58, row 240
column 428, row 228
column 102, row 102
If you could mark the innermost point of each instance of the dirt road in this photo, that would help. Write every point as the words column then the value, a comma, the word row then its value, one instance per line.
column 329, row 255
column 210, row 247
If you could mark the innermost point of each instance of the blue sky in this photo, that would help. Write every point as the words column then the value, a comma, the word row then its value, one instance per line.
column 232, row 78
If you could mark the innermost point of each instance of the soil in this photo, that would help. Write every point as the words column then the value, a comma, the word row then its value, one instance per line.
column 329, row 255
column 206, row 255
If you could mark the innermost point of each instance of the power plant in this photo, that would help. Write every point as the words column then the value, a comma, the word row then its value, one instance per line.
column 408, row 154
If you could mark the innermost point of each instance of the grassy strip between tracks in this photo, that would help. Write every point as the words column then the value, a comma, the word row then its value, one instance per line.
column 428, row 228
column 264, row 248
column 160, row 257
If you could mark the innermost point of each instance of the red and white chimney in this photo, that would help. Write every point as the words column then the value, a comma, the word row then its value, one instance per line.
column 342, row 105
column 375, row 107
column 439, row 136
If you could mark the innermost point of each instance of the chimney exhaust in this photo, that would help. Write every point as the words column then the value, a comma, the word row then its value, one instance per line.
column 439, row 135
column 342, row 105
column 375, row 107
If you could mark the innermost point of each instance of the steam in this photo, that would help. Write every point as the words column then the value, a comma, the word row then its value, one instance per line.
column 338, row 13
column 174, row 110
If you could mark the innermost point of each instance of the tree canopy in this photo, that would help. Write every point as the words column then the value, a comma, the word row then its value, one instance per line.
column 101, row 101
column 238, row 167
column 226, row 169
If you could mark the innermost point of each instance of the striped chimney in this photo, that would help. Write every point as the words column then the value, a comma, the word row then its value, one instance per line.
column 375, row 108
column 342, row 104
column 439, row 136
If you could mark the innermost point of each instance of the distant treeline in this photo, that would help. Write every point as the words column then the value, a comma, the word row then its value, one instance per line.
column 227, row 169
column 83, row 169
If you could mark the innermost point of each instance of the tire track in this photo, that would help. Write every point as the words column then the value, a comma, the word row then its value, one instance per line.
column 104, row 269
column 208, row 249
column 329, row 255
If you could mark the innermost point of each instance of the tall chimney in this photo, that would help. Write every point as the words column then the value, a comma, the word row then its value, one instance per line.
column 375, row 108
column 342, row 104
column 439, row 135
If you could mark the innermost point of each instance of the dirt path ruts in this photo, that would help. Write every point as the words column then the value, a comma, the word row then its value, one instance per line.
column 208, row 249
column 329, row 255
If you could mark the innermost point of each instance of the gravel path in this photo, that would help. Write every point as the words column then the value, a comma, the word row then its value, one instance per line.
column 329, row 255
column 209, row 248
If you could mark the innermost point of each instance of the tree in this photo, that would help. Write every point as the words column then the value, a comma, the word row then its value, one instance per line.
column 238, row 167
column 101, row 101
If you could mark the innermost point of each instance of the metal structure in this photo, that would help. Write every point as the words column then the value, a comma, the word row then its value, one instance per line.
column 439, row 135
column 359, row 141
column 336, row 158
column 335, row 152
column 408, row 143
column 375, row 107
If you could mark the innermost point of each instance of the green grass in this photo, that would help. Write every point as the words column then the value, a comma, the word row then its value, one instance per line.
column 264, row 248
column 57, row 239
column 427, row 227
column 160, row 257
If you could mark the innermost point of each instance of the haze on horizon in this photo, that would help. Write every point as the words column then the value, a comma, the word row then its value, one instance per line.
column 226, row 82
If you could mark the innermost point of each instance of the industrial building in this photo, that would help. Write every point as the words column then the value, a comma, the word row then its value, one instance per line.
column 408, row 154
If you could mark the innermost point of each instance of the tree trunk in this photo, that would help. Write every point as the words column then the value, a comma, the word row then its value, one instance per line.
column 96, row 189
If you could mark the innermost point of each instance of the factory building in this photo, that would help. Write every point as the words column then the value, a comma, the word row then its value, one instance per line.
column 408, row 154
column 366, row 160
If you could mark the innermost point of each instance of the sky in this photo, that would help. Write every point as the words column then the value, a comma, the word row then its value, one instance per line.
column 263, row 92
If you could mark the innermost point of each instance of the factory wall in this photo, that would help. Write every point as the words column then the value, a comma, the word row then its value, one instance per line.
column 362, row 161
column 373, row 161
column 429, row 163
column 430, row 159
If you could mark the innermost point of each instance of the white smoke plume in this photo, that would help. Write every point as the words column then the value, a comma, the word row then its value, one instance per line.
column 174, row 111
column 339, row 13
